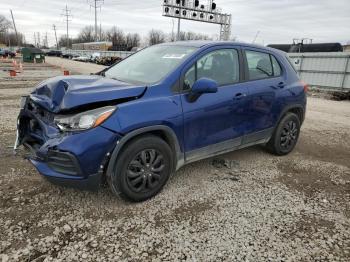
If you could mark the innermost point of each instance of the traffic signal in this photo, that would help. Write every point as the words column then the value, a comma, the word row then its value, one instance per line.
column 196, row 3
column 213, row 6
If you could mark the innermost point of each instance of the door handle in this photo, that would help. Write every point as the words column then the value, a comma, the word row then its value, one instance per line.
column 239, row 95
column 281, row 85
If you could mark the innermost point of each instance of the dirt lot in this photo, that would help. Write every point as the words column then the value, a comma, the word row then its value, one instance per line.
column 243, row 206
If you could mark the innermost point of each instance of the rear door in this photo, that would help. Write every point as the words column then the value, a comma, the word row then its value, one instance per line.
column 214, row 122
column 264, row 80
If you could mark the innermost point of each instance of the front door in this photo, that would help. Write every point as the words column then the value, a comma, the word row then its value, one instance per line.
column 214, row 122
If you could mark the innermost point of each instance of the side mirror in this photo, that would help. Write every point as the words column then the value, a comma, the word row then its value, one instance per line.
column 202, row 86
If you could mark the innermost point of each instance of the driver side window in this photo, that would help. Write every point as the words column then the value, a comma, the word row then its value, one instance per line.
column 220, row 65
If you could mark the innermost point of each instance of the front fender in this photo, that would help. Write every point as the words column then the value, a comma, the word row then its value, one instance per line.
column 171, row 136
column 144, row 116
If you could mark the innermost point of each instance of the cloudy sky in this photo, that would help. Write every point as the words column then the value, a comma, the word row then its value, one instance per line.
column 278, row 21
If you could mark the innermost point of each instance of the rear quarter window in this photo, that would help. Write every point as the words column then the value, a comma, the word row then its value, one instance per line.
column 292, row 63
column 277, row 71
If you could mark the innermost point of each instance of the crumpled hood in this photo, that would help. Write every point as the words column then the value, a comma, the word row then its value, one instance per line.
column 64, row 93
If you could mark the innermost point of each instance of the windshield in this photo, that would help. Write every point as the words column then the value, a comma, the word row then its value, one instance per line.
column 150, row 65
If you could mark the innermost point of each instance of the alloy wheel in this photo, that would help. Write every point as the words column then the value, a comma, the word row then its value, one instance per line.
column 289, row 135
column 145, row 170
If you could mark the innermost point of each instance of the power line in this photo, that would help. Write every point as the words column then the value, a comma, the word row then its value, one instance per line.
column 67, row 14
column 54, row 28
column 14, row 26
column 95, row 5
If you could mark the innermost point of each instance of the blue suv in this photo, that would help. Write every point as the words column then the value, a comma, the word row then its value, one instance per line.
column 140, row 120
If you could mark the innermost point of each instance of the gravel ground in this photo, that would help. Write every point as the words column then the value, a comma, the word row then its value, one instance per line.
column 243, row 206
column 74, row 66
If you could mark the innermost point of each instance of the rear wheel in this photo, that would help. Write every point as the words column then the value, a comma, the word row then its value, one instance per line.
column 142, row 169
column 285, row 135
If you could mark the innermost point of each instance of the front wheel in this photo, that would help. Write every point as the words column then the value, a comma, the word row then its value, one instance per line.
column 142, row 169
column 285, row 135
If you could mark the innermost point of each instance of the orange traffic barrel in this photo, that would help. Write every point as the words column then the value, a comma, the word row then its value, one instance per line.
column 13, row 73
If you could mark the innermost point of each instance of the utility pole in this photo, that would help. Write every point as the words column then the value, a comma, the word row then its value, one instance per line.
column 256, row 36
column 14, row 26
column 100, row 32
column 46, row 42
column 67, row 14
column 95, row 5
column 35, row 40
column 8, row 38
column 39, row 40
column 54, row 28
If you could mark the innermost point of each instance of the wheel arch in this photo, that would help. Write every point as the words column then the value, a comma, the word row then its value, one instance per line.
column 299, row 110
column 164, row 132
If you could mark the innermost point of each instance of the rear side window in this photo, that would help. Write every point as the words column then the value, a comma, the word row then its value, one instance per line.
column 277, row 71
column 262, row 65
column 220, row 65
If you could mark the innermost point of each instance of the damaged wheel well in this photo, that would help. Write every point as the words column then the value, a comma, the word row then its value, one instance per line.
column 163, row 132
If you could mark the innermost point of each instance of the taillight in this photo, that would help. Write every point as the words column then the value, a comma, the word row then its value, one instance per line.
column 306, row 86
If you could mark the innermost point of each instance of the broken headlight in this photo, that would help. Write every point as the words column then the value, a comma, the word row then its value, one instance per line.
column 85, row 120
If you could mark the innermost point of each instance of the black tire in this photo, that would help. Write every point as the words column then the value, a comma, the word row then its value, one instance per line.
column 285, row 136
column 142, row 169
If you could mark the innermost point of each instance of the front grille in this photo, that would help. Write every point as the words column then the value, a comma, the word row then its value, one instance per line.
column 63, row 162
column 32, row 120
column 41, row 113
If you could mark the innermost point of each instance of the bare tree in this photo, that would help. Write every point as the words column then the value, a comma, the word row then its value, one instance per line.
column 87, row 34
column 193, row 36
column 103, row 35
column 9, row 37
column 63, row 41
column 116, row 36
column 156, row 37
column 188, row 36
column 4, row 24
column 133, row 40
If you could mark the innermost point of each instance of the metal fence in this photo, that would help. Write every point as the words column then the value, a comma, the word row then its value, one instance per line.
column 122, row 54
column 323, row 70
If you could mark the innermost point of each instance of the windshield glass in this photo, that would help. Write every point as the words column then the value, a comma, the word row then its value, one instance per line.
column 150, row 65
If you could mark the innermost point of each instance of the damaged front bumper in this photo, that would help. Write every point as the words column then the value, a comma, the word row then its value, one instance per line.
column 76, row 159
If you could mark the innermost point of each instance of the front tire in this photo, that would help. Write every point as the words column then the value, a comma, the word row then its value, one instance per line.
column 285, row 135
column 142, row 169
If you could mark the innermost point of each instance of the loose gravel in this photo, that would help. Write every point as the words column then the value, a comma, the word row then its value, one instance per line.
column 243, row 206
